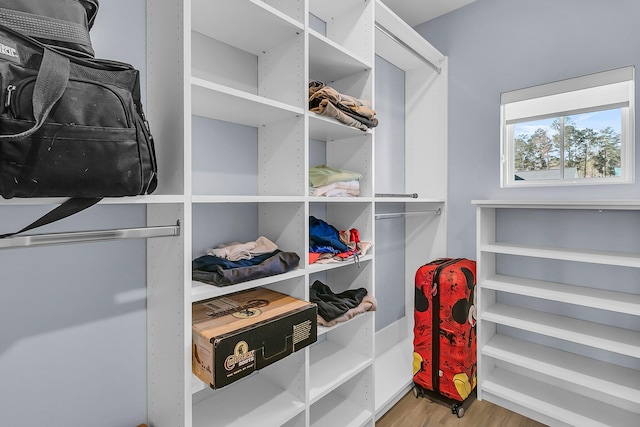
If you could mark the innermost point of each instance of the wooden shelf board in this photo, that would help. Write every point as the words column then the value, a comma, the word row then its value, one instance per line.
column 597, row 204
column 215, row 101
column 254, row 401
column 201, row 291
column 571, row 294
column 620, row 382
column 328, row 129
column 238, row 25
column 213, row 199
column 329, row 61
column 563, row 405
column 618, row 340
column 334, row 410
column 587, row 256
column 316, row 268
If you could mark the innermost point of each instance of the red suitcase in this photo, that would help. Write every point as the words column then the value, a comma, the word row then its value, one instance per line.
column 444, row 359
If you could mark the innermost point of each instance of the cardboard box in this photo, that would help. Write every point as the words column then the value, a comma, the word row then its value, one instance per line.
column 236, row 334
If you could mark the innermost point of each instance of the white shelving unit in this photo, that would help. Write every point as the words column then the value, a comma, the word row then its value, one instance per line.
column 228, row 85
column 561, row 368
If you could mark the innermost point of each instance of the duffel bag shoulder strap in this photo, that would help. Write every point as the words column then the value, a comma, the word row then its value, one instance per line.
column 51, row 82
column 68, row 208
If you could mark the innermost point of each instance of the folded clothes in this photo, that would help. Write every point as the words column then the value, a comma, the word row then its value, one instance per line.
column 321, row 175
column 340, row 192
column 329, row 258
column 213, row 263
column 368, row 303
column 341, row 188
column 339, row 307
column 348, row 110
column 327, row 244
column 220, row 272
column 369, row 122
column 322, row 233
column 325, row 108
column 237, row 251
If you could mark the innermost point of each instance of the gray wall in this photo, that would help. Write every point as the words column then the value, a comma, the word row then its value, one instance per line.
column 499, row 45
column 73, row 317
column 389, row 160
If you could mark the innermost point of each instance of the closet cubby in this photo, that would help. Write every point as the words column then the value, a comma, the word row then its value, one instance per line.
column 345, row 213
column 344, row 150
column 215, row 224
column 251, row 47
column 331, row 63
column 220, row 223
column 247, row 141
column 348, row 25
column 235, row 158
column 341, row 47
column 351, row 404
column 339, row 355
column 274, row 396
column 348, row 275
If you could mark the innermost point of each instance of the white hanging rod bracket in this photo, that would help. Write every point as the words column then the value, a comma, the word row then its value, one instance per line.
column 90, row 236
column 437, row 211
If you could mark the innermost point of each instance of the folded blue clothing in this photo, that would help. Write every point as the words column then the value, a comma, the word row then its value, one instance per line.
column 218, row 272
column 323, row 249
column 212, row 262
column 323, row 234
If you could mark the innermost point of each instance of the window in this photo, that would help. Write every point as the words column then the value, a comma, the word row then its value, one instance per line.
column 575, row 131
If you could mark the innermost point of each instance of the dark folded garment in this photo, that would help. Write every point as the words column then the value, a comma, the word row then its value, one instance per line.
column 221, row 272
column 332, row 305
column 370, row 123
column 213, row 263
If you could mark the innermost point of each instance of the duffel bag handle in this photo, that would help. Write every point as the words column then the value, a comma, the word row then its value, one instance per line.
column 62, row 23
column 51, row 82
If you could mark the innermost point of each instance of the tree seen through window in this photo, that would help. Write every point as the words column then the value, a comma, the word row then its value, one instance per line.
column 579, row 146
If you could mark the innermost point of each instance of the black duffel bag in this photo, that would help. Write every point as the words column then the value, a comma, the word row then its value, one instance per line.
column 70, row 126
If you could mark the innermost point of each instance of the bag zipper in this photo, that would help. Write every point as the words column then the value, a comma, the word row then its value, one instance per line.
column 7, row 100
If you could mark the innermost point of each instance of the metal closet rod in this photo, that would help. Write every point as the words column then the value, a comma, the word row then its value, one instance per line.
column 437, row 211
column 396, row 39
column 91, row 236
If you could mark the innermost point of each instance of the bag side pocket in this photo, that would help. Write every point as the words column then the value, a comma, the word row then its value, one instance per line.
column 70, row 161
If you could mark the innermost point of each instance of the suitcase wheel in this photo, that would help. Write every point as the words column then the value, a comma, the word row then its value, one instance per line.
column 417, row 392
column 458, row 410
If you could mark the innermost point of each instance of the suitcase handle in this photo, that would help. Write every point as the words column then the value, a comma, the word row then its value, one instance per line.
column 435, row 324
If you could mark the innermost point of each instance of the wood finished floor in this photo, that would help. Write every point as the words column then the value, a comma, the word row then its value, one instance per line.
column 421, row 412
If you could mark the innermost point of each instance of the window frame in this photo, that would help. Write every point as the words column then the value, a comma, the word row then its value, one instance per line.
column 595, row 92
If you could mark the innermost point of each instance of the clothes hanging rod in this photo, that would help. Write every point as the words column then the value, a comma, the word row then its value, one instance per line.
column 90, row 236
column 398, row 195
column 400, row 214
column 389, row 34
